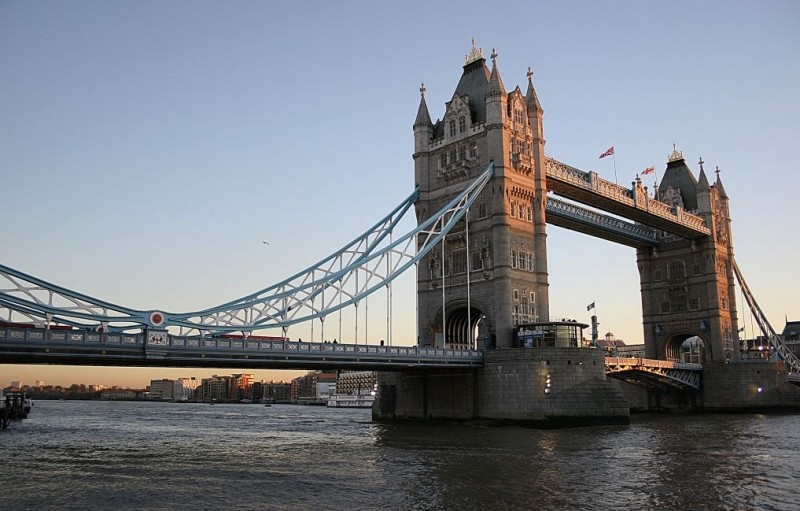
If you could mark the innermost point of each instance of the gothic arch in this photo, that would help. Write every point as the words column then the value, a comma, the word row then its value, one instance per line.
column 458, row 323
column 671, row 346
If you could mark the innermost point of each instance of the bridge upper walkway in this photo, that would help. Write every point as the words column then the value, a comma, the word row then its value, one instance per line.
column 588, row 188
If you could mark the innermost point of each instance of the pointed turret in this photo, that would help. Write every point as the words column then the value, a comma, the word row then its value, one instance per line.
column 496, row 87
column 423, row 134
column 703, row 195
column 719, row 187
column 535, row 112
column 423, row 127
column 724, row 204
column 530, row 96
column 423, row 119
column 495, row 95
column 702, row 182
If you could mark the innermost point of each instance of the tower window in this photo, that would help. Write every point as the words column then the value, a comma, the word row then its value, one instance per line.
column 459, row 261
column 483, row 209
column 477, row 261
column 676, row 271
column 462, row 124
column 473, row 151
column 452, row 128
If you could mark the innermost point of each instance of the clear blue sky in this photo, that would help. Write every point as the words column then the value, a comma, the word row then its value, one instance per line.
column 148, row 148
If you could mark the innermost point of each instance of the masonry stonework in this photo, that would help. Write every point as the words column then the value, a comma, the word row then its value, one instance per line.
column 512, row 387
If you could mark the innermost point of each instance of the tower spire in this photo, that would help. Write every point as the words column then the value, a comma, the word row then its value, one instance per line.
column 702, row 181
column 530, row 96
column 718, row 184
column 496, row 87
column 423, row 116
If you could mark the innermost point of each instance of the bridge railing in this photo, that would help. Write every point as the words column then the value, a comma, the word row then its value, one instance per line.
column 565, row 209
column 215, row 344
column 648, row 362
column 590, row 181
column 40, row 336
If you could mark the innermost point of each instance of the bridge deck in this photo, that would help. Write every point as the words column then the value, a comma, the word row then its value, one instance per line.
column 616, row 230
column 659, row 373
column 75, row 347
column 589, row 189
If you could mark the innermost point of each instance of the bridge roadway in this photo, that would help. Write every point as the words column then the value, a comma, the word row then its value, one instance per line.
column 79, row 347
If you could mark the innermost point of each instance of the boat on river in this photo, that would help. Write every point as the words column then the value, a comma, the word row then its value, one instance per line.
column 359, row 400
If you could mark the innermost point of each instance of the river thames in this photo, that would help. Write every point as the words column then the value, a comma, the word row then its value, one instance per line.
column 138, row 455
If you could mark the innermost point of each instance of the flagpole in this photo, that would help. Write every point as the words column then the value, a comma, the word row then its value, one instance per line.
column 655, row 185
column 614, row 155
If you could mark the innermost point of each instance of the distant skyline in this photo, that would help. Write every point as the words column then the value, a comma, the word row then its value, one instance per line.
column 114, row 375
column 149, row 149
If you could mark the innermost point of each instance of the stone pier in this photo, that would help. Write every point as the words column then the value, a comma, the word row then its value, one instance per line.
column 543, row 387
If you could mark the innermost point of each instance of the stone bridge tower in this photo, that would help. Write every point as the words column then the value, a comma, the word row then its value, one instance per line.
column 503, row 259
column 688, row 286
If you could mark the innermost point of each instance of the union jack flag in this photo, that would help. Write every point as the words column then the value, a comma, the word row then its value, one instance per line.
column 609, row 152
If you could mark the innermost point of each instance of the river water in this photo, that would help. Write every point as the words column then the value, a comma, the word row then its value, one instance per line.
column 91, row 455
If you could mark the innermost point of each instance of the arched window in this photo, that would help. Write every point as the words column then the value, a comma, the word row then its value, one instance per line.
column 676, row 270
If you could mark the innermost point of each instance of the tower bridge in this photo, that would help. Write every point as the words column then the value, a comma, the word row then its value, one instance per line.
column 484, row 194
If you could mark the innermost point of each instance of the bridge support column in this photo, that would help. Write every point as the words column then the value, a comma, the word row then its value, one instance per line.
column 749, row 386
column 541, row 387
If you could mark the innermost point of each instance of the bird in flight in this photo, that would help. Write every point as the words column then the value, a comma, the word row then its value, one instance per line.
column 265, row 242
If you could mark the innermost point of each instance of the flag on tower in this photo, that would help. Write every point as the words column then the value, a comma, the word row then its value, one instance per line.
column 590, row 306
column 649, row 170
column 609, row 152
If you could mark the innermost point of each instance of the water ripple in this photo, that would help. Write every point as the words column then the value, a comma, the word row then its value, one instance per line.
column 119, row 456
